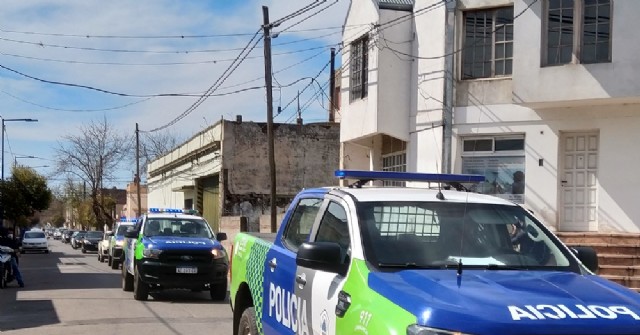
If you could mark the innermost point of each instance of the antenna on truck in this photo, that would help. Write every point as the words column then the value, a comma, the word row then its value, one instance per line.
column 452, row 180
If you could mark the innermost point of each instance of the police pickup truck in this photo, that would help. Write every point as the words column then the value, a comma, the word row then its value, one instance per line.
column 174, row 249
column 419, row 261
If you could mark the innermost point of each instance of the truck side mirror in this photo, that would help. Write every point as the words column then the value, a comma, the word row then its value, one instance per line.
column 323, row 256
column 221, row 236
column 588, row 257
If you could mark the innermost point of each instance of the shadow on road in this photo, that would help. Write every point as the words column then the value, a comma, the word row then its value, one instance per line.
column 20, row 308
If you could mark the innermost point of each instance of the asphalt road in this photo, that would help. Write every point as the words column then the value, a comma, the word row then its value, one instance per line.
column 67, row 292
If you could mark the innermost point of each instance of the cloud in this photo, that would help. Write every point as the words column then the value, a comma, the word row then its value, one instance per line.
column 35, row 39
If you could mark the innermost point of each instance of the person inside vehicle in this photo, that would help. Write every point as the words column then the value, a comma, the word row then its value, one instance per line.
column 6, row 241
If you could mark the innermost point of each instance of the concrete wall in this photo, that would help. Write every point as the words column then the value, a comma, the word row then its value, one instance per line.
column 306, row 157
column 533, row 83
column 360, row 114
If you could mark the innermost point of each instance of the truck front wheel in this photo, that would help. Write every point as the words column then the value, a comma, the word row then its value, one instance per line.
column 127, row 280
column 218, row 291
column 140, row 288
column 247, row 325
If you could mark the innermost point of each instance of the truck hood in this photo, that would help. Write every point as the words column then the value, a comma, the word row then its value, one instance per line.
column 512, row 302
column 174, row 242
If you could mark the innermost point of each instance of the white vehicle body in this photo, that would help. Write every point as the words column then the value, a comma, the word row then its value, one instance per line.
column 103, row 246
column 35, row 240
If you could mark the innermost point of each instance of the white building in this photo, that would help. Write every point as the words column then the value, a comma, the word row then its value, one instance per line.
column 545, row 87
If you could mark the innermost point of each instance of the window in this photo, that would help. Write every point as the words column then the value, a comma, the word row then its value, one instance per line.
column 580, row 28
column 301, row 222
column 359, row 68
column 488, row 43
column 501, row 160
column 334, row 227
column 394, row 158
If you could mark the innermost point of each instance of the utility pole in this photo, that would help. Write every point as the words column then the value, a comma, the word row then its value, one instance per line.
column 447, row 106
column 266, row 27
column 332, row 85
column 136, row 180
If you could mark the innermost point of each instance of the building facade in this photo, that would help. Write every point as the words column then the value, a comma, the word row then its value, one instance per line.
column 224, row 170
column 544, row 100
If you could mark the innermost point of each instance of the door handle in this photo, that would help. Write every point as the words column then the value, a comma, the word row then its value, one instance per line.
column 273, row 264
column 301, row 279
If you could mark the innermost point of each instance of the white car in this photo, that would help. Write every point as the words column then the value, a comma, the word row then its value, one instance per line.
column 103, row 246
column 35, row 240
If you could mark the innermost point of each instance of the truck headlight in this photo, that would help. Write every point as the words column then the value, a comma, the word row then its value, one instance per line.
column 151, row 253
column 420, row 330
column 218, row 253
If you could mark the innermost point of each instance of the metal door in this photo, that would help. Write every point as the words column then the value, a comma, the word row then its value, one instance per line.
column 579, row 182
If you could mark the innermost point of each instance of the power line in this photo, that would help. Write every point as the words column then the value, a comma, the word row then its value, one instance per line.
column 241, row 57
column 180, row 37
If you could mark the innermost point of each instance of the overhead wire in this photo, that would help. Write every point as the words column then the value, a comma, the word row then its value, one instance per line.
column 217, row 83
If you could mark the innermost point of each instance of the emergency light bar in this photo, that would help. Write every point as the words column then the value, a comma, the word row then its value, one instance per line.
column 409, row 176
column 173, row 210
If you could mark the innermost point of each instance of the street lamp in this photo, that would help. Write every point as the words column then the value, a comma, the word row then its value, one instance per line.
column 2, row 173
column 15, row 159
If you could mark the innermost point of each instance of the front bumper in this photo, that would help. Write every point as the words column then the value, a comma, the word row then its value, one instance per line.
column 155, row 272
column 34, row 247
column 91, row 247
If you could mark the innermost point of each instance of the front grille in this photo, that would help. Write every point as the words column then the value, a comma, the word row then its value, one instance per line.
column 189, row 256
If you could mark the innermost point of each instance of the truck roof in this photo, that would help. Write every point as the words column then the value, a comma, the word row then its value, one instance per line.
column 373, row 193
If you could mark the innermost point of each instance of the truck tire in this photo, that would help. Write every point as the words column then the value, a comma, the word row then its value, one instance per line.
column 99, row 256
column 109, row 260
column 247, row 324
column 4, row 274
column 127, row 280
column 218, row 291
column 140, row 288
column 114, row 263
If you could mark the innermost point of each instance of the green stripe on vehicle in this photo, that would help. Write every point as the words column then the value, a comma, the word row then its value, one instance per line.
column 370, row 312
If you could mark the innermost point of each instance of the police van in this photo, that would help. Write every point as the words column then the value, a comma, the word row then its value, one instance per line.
column 419, row 261
column 174, row 249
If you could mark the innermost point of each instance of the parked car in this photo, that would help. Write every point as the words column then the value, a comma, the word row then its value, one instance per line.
column 35, row 240
column 103, row 246
column 76, row 239
column 91, row 240
column 117, row 241
column 57, row 234
column 66, row 235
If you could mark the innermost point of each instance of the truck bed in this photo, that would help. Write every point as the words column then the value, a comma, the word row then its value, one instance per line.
column 269, row 237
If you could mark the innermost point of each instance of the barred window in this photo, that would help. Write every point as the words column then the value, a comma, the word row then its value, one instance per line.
column 578, row 27
column 359, row 68
column 394, row 158
column 488, row 43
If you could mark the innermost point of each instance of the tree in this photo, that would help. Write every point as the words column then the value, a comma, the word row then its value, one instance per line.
column 23, row 194
column 154, row 146
column 93, row 156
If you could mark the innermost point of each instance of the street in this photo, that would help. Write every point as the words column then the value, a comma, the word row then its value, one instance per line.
column 67, row 292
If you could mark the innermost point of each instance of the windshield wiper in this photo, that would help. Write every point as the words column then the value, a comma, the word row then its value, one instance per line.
column 411, row 265
column 502, row 267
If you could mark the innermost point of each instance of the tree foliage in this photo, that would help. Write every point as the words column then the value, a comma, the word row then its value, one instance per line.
column 23, row 194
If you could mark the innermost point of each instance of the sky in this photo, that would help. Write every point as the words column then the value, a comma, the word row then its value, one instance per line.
column 67, row 63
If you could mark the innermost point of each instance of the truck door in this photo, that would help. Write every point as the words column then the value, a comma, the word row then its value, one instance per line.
column 321, row 288
column 283, row 312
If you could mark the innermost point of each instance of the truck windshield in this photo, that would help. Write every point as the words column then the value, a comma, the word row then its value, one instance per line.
column 439, row 234
column 177, row 227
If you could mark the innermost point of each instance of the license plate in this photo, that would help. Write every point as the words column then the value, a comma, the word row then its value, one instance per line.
column 186, row 270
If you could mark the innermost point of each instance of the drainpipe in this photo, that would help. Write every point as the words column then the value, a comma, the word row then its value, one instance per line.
column 447, row 108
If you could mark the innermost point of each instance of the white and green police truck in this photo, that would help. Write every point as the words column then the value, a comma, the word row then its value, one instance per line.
column 419, row 261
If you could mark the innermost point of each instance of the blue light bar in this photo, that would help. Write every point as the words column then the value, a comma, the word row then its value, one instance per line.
column 409, row 176
column 165, row 210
